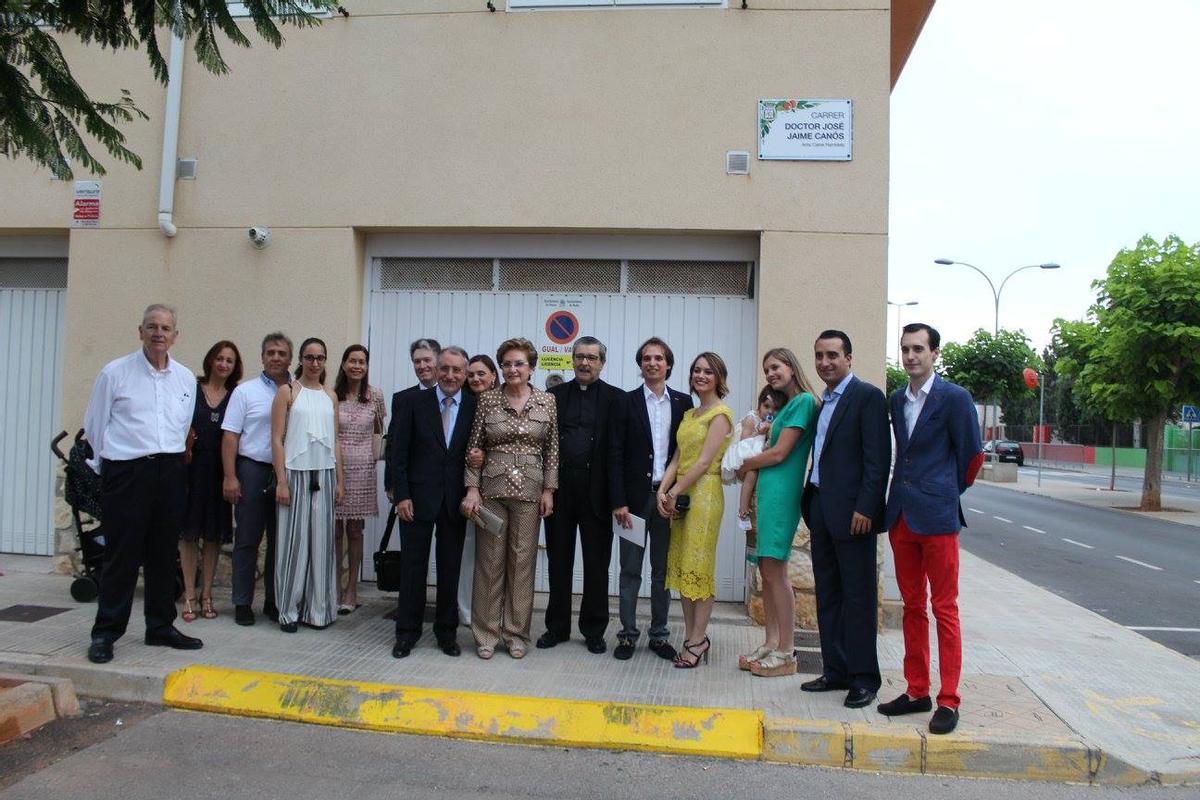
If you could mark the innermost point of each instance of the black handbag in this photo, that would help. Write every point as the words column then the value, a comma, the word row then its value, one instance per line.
column 387, row 562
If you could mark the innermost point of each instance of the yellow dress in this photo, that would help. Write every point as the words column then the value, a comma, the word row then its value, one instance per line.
column 692, row 556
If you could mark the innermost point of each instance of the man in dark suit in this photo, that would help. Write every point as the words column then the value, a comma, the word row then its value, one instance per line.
column 938, row 453
column 843, row 504
column 643, row 442
column 584, row 413
column 423, row 353
column 427, row 456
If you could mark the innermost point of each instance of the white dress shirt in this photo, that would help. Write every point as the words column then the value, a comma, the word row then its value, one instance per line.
column 829, row 401
column 658, row 409
column 137, row 410
column 914, row 403
column 249, row 415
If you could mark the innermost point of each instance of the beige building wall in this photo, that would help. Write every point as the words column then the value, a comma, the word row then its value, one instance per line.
column 437, row 115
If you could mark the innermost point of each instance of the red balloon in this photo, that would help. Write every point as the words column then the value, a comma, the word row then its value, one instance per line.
column 1031, row 377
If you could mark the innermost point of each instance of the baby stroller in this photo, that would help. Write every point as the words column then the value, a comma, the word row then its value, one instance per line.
column 82, row 493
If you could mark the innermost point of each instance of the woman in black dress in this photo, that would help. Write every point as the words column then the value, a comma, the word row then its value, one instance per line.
column 209, row 516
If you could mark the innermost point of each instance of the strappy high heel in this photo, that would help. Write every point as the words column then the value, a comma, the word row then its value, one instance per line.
column 681, row 661
column 188, row 614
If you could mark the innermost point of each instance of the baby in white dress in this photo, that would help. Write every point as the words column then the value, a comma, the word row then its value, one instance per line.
column 753, row 440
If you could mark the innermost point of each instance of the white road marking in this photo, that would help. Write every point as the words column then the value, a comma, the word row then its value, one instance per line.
column 1030, row 528
column 1167, row 630
column 1080, row 544
column 1140, row 563
column 974, row 510
column 1002, row 519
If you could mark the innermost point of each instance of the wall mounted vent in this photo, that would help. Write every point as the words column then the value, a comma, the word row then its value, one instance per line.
column 737, row 162
column 185, row 169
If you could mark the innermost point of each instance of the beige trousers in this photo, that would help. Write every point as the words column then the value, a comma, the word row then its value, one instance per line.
column 502, row 596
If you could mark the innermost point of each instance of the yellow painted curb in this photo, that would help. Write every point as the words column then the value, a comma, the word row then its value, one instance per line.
column 721, row 732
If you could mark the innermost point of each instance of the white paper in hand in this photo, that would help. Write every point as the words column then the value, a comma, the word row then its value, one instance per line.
column 636, row 534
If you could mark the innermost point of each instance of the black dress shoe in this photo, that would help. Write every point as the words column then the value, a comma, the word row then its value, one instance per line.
column 243, row 615
column 944, row 720
column 401, row 649
column 100, row 651
column 289, row 627
column 663, row 649
column 623, row 650
column 173, row 638
column 271, row 612
column 859, row 697
column 596, row 644
column 450, row 647
column 823, row 684
column 905, row 705
column 548, row 640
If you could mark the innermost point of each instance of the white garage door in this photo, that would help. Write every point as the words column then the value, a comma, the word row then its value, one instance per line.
column 694, row 305
column 32, row 296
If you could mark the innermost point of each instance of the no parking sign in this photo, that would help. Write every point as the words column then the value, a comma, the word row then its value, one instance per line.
column 561, row 327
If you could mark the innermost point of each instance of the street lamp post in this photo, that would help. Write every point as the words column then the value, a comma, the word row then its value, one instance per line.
column 899, row 306
column 996, row 320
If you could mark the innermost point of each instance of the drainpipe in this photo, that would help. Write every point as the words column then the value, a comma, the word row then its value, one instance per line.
column 170, row 150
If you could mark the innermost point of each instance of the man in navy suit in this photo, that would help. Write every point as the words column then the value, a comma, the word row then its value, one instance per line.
column 843, row 504
column 938, row 453
column 643, row 442
column 427, row 455
column 582, row 501
column 423, row 353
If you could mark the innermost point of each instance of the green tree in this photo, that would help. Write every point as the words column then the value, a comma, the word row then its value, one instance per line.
column 1140, row 346
column 989, row 367
column 896, row 377
column 42, row 105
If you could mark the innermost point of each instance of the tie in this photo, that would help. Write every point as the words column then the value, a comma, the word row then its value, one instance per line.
column 446, row 403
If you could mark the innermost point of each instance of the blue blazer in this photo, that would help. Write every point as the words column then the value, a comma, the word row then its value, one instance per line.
column 933, row 465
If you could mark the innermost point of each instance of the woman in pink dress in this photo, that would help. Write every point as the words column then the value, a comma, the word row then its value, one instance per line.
column 361, row 415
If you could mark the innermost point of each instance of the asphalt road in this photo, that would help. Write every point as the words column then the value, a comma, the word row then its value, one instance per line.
column 176, row 754
column 1172, row 487
column 1139, row 572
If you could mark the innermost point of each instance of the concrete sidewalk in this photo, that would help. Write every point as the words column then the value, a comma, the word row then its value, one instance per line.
column 1185, row 509
column 1050, row 690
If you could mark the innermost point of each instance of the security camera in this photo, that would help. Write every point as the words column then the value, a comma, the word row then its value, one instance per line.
column 260, row 237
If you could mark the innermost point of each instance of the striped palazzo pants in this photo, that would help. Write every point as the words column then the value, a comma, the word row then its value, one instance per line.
column 305, row 576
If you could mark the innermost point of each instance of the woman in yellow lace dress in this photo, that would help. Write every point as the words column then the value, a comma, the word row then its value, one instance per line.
column 695, row 471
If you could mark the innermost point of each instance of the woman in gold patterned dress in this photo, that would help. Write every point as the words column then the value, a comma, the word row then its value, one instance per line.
column 695, row 471
column 516, row 427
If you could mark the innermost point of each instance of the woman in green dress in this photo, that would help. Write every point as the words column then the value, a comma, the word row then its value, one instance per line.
column 781, row 477
column 695, row 470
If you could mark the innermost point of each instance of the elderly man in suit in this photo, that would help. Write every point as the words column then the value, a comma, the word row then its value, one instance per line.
column 424, row 356
column 938, row 453
column 643, row 442
column 427, row 452
column 843, row 504
column 584, row 411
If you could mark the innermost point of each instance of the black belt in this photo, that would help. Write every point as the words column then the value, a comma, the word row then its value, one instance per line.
column 254, row 461
column 151, row 457
column 655, row 484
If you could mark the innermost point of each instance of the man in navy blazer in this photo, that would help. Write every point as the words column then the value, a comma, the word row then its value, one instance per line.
column 423, row 353
column 427, row 454
column 643, row 442
column 938, row 453
column 843, row 504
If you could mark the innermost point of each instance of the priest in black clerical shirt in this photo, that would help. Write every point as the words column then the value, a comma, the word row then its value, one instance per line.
column 584, row 411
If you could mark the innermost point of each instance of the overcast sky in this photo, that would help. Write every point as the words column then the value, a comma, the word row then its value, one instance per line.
column 1034, row 131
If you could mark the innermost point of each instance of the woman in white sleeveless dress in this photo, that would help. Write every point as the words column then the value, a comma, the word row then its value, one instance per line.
column 308, row 477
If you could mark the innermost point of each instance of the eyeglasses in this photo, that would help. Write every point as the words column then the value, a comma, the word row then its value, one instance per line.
column 586, row 357
column 514, row 364
column 313, row 358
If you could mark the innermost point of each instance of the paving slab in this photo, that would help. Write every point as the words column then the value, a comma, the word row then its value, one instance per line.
column 1050, row 690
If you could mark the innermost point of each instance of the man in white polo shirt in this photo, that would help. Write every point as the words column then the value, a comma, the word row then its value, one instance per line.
column 137, row 421
column 249, row 476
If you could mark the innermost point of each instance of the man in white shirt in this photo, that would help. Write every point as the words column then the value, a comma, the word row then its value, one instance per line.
column 643, row 440
column 249, row 476
column 137, row 421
